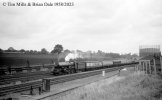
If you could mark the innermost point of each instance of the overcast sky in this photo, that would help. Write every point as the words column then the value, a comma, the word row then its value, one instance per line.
column 109, row 25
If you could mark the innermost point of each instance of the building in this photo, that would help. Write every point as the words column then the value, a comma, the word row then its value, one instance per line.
column 148, row 50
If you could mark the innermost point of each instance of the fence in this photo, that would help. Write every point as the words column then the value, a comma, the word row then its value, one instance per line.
column 153, row 66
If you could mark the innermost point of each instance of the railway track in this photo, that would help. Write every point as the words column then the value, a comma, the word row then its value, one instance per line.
column 8, row 79
column 54, row 80
column 24, row 77
column 66, row 90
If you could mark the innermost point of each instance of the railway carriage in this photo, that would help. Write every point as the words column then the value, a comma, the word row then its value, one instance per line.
column 116, row 62
column 93, row 65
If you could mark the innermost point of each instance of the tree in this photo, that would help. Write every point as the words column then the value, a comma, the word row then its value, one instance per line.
column 134, row 55
column 1, row 50
column 99, row 53
column 22, row 50
column 44, row 51
column 89, row 54
column 31, row 51
column 35, row 52
column 57, row 49
column 112, row 55
column 11, row 49
column 27, row 51
column 79, row 51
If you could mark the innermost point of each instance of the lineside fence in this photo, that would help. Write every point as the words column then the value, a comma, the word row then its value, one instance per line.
column 153, row 66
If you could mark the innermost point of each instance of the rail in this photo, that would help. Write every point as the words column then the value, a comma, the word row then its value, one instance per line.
column 54, row 80
column 9, row 79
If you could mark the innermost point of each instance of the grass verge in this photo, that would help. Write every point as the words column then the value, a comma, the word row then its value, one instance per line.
column 136, row 86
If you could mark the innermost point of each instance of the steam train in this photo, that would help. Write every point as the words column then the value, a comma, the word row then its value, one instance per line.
column 63, row 68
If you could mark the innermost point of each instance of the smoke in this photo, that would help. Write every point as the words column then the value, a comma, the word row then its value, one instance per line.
column 73, row 56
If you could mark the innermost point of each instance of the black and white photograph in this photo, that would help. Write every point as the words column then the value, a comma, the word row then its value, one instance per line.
column 80, row 49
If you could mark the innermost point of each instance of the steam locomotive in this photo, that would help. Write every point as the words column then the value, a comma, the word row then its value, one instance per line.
column 63, row 68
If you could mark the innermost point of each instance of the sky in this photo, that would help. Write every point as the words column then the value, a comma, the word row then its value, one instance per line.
column 118, row 26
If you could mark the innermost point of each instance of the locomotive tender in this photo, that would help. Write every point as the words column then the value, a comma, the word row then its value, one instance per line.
column 74, row 67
